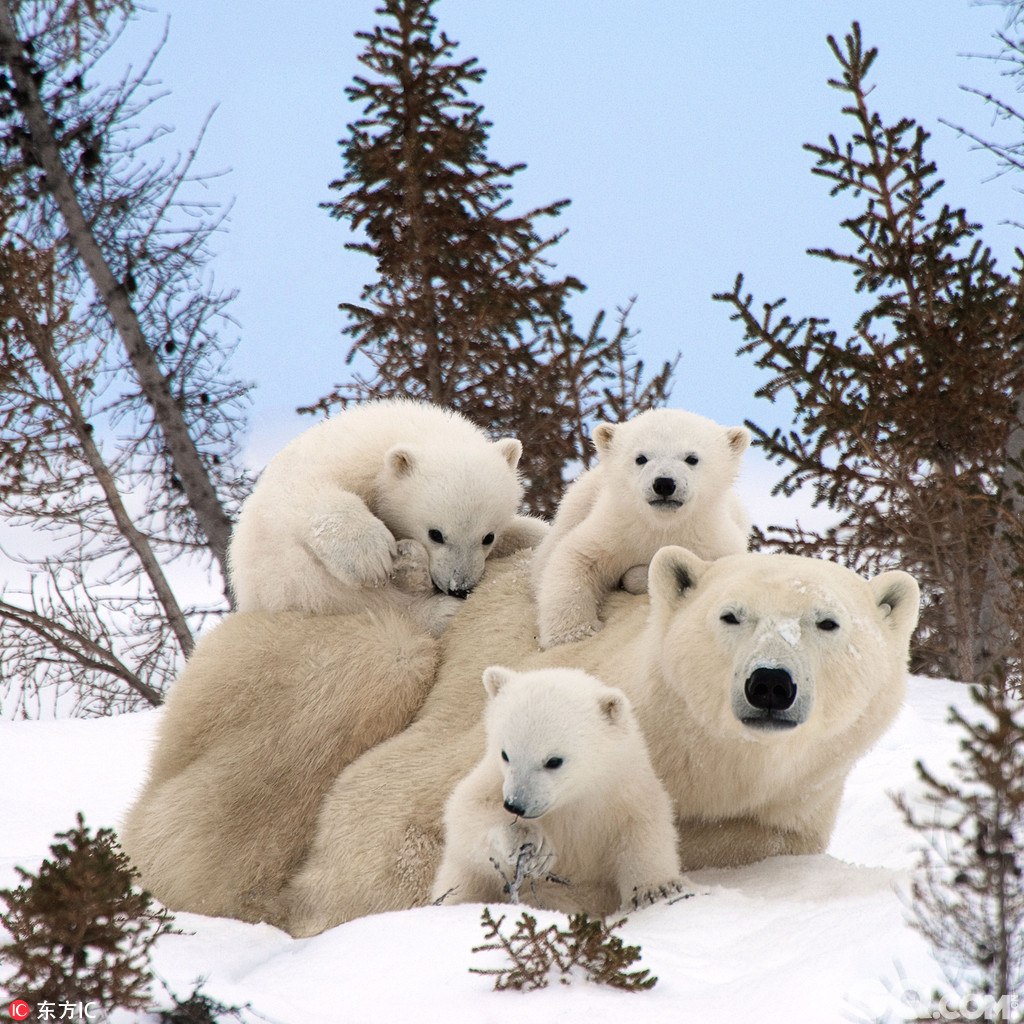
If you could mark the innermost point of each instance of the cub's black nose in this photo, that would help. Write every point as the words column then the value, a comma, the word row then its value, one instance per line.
column 460, row 594
column 664, row 486
column 513, row 808
column 770, row 689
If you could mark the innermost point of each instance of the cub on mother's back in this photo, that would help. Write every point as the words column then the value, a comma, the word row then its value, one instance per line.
column 318, row 533
column 663, row 477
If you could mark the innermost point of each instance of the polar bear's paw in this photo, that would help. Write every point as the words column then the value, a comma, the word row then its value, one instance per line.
column 568, row 634
column 410, row 571
column 360, row 553
column 647, row 895
column 434, row 613
column 634, row 580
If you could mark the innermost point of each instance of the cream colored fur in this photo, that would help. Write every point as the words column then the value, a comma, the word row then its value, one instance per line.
column 740, row 794
column 268, row 710
column 664, row 477
column 564, row 807
column 318, row 533
column 237, row 778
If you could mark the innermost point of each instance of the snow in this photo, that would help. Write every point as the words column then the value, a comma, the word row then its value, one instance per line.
column 791, row 939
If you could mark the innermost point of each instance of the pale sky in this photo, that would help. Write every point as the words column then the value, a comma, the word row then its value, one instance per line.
column 676, row 129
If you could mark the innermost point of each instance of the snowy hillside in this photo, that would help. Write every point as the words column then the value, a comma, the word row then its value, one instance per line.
column 794, row 940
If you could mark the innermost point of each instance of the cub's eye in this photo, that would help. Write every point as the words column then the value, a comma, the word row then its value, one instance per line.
column 730, row 619
column 504, row 757
column 553, row 762
column 436, row 536
column 641, row 459
column 827, row 625
column 489, row 539
column 692, row 460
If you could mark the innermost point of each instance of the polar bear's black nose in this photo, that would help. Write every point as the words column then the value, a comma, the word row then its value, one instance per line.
column 664, row 486
column 513, row 808
column 460, row 594
column 770, row 689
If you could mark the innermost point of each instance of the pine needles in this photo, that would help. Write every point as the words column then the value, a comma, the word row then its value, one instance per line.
column 586, row 946
column 80, row 932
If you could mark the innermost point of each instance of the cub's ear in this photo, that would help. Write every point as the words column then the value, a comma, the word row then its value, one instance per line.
column 602, row 436
column 511, row 450
column 673, row 577
column 401, row 459
column 495, row 678
column 611, row 706
column 899, row 600
column 739, row 440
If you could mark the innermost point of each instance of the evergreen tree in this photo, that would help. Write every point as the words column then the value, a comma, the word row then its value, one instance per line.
column 464, row 312
column 906, row 427
column 80, row 931
column 968, row 896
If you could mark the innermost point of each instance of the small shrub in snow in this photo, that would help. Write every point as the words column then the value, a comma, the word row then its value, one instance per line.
column 80, row 931
column 587, row 946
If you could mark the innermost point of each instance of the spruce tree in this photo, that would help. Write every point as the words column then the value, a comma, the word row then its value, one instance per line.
column 968, row 896
column 904, row 427
column 465, row 311
column 80, row 931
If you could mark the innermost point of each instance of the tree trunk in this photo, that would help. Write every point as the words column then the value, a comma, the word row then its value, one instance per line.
column 188, row 465
column 1002, row 601
column 138, row 542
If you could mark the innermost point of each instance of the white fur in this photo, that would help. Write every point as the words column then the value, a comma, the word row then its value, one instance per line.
column 318, row 533
column 565, row 788
column 613, row 517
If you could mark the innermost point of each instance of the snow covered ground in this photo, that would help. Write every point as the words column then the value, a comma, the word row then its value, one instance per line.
column 793, row 939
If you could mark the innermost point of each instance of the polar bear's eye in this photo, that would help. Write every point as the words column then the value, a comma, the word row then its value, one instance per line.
column 504, row 757
column 436, row 536
column 489, row 539
column 827, row 625
column 730, row 619
column 641, row 459
column 553, row 762
column 692, row 460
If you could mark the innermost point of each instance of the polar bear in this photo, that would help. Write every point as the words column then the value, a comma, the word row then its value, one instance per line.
column 318, row 533
column 565, row 785
column 663, row 477
column 297, row 698
column 758, row 681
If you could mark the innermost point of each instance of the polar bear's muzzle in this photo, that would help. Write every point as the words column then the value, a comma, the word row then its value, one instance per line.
column 770, row 698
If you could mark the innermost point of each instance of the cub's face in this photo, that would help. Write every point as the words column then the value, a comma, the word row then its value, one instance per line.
column 455, row 502
column 776, row 648
column 554, row 734
column 666, row 459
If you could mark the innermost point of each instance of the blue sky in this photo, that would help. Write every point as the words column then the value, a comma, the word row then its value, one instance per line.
column 675, row 129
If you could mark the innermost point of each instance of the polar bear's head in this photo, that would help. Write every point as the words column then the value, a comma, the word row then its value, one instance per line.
column 557, row 734
column 779, row 648
column 454, row 500
column 666, row 459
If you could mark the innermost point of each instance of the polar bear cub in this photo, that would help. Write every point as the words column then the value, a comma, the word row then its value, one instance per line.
column 319, row 532
column 663, row 477
column 564, row 810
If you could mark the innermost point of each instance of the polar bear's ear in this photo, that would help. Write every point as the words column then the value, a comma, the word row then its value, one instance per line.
column 739, row 440
column 611, row 707
column 673, row 577
column 511, row 450
column 899, row 600
column 401, row 459
column 495, row 678
column 602, row 436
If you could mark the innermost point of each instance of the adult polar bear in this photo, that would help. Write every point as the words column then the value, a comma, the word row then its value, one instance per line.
column 758, row 681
